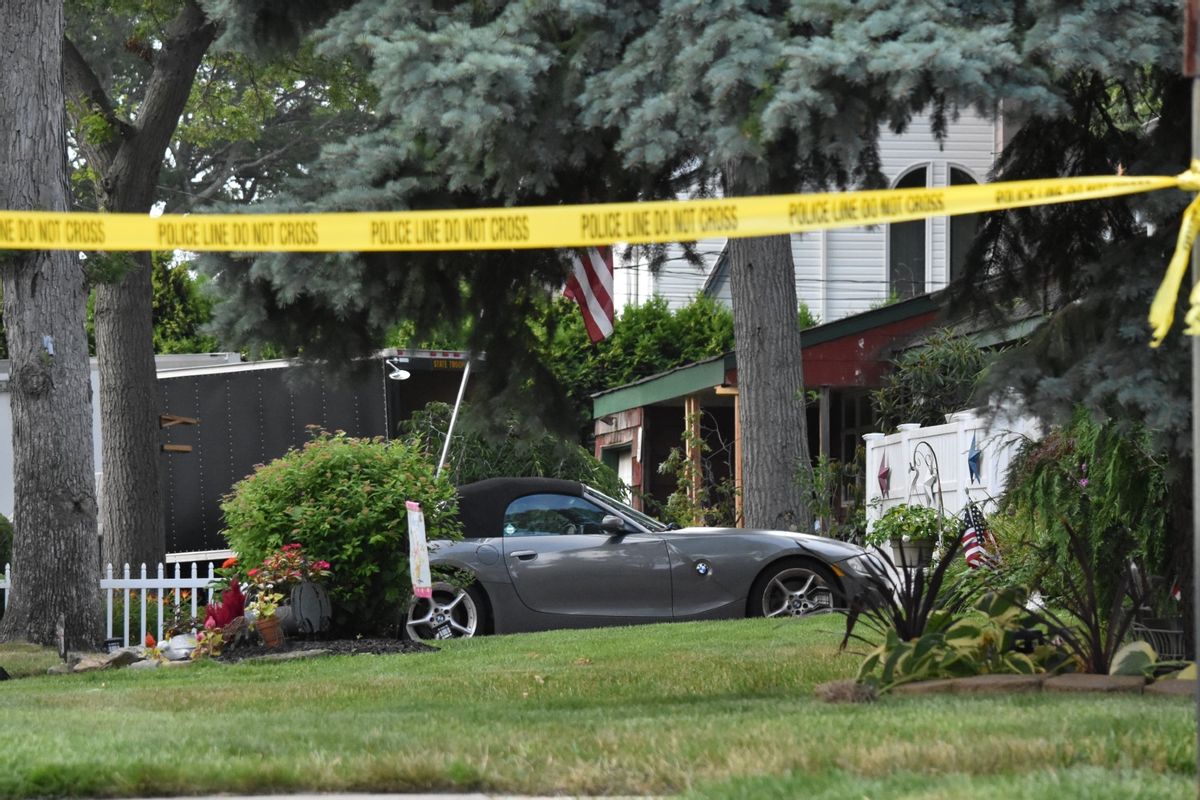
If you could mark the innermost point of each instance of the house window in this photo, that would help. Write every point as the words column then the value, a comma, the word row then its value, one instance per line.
column 906, row 245
column 962, row 228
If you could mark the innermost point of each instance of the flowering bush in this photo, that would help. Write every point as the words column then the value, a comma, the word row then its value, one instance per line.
column 287, row 566
column 343, row 499
column 907, row 523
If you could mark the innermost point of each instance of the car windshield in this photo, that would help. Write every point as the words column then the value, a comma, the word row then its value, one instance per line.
column 647, row 522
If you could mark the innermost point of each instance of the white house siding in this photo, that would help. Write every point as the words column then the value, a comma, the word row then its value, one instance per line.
column 845, row 271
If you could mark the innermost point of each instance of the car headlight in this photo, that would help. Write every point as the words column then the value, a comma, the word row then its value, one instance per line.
column 865, row 565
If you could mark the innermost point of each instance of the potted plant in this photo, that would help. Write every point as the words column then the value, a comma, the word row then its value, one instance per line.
column 265, row 605
column 301, row 602
column 912, row 531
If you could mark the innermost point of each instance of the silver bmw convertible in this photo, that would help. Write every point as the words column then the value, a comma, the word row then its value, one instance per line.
column 541, row 554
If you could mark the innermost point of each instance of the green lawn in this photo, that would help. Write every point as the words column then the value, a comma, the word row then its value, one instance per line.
column 711, row 709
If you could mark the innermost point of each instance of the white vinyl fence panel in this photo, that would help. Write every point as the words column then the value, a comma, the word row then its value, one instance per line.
column 161, row 592
column 906, row 454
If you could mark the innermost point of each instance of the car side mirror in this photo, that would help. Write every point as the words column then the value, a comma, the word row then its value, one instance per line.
column 612, row 524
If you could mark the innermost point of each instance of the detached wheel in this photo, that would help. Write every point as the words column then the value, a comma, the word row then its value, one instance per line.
column 452, row 613
column 793, row 589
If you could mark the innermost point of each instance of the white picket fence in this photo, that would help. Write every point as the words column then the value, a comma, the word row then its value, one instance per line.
column 906, row 453
column 144, row 591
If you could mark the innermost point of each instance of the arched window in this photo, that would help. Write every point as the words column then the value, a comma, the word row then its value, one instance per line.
column 962, row 228
column 906, row 245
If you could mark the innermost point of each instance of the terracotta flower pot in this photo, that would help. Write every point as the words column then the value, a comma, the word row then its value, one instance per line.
column 270, row 631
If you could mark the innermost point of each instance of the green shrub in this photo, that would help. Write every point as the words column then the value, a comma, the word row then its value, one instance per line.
column 343, row 499
column 983, row 639
column 937, row 378
column 1092, row 478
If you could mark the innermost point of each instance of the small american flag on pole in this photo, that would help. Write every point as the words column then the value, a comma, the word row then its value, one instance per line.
column 591, row 286
column 975, row 538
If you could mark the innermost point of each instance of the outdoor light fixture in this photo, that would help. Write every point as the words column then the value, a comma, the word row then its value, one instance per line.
column 397, row 372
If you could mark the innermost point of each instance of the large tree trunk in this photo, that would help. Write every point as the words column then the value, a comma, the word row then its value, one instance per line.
column 130, row 504
column 55, row 566
column 770, row 384
column 129, row 164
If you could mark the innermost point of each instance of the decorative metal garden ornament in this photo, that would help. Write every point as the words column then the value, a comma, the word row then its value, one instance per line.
column 885, row 476
column 975, row 461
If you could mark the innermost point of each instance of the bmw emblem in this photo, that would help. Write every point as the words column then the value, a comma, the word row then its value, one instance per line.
column 703, row 568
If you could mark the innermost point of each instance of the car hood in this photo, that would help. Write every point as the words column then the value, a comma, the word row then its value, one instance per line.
column 831, row 549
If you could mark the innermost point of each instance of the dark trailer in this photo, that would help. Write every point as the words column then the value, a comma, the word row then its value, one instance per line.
column 220, row 421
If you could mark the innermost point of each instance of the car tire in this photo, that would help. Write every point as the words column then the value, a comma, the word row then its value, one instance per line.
column 793, row 588
column 452, row 613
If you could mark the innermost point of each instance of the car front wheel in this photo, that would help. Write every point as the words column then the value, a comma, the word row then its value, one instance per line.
column 452, row 613
column 793, row 589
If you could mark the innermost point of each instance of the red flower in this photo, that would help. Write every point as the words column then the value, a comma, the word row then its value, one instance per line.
column 150, row 640
column 229, row 562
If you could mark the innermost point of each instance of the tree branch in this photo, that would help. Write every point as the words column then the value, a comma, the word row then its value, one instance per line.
column 186, row 40
column 84, row 96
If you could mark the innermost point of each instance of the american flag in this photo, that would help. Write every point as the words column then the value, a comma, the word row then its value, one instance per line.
column 591, row 286
column 976, row 538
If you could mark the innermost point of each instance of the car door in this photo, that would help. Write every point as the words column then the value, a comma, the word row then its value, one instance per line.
column 562, row 562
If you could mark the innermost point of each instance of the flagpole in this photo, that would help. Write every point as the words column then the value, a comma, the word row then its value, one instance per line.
column 462, row 388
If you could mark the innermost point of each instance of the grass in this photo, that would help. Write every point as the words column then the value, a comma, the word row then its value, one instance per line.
column 708, row 709
column 27, row 660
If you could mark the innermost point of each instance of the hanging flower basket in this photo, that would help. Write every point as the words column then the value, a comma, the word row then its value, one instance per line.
column 917, row 553
column 911, row 531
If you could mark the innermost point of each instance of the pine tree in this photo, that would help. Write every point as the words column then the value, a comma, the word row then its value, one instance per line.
column 566, row 101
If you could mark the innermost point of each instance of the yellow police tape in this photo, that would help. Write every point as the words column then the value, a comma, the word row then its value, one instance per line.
column 585, row 225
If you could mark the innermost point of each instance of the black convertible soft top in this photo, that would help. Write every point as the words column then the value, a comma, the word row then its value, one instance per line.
column 481, row 505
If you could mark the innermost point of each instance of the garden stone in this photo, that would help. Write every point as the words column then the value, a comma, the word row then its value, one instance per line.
column 998, row 683
column 939, row 686
column 3, row 674
column 149, row 663
column 93, row 663
column 1076, row 682
column 1172, row 687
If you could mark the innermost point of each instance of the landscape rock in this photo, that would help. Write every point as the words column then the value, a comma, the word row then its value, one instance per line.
column 939, row 686
column 98, row 661
column 1073, row 682
column 998, row 683
column 3, row 674
column 149, row 663
column 1172, row 687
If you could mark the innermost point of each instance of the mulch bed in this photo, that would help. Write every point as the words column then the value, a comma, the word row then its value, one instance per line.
column 360, row 646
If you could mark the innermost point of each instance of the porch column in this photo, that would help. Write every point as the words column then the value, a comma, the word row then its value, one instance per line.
column 823, row 448
column 691, row 426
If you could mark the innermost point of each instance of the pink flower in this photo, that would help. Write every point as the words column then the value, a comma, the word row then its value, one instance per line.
column 209, row 623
